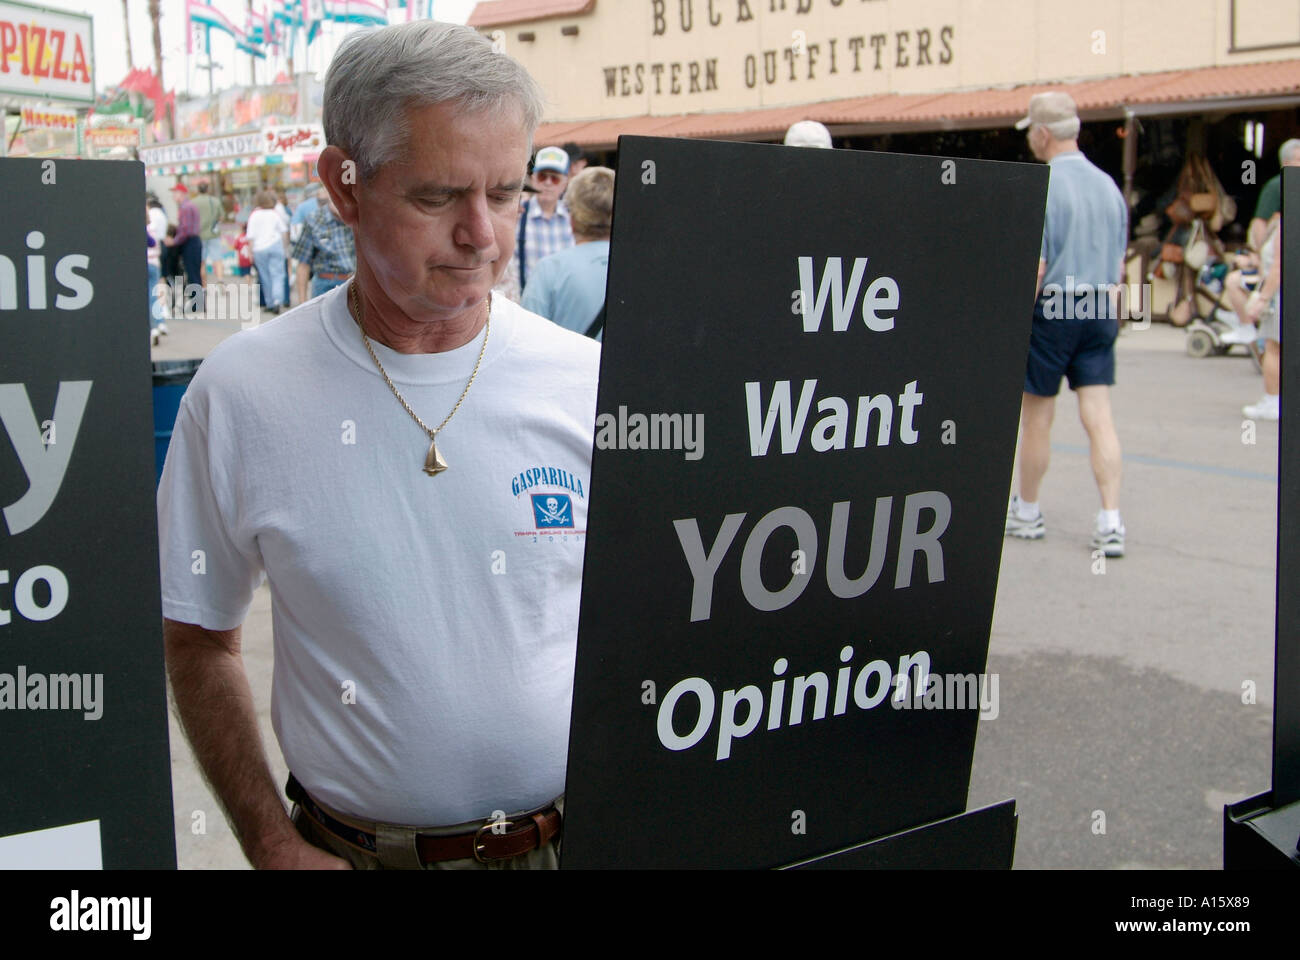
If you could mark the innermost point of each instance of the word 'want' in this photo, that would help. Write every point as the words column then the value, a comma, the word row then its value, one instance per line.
column 832, row 430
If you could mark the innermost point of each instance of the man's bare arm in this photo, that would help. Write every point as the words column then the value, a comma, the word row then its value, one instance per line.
column 303, row 279
column 215, row 704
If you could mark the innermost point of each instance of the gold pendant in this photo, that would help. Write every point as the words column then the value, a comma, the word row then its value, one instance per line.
column 433, row 463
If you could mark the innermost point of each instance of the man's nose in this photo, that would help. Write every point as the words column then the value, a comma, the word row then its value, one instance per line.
column 474, row 227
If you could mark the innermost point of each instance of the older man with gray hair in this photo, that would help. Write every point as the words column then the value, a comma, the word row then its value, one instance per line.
column 385, row 456
column 1085, row 235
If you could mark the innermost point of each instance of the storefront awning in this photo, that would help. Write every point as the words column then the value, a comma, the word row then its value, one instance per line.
column 503, row 12
column 1206, row 89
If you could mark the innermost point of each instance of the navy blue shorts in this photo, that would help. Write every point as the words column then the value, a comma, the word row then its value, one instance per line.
column 1083, row 351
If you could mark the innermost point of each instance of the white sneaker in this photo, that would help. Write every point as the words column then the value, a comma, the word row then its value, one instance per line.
column 1020, row 528
column 162, row 329
column 1241, row 334
column 1268, row 408
column 1109, row 542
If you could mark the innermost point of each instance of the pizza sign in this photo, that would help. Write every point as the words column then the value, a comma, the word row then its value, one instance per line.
column 45, row 53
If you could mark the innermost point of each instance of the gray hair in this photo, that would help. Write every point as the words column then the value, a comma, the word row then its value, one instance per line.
column 590, row 199
column 1062, row 129
column 378, row 75
column 1289, row 152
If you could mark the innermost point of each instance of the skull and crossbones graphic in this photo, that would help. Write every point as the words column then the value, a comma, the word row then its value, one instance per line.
column 552, row 512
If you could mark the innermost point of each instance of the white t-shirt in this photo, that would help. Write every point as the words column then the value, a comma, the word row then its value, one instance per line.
column 446, row 607
column 265, row 229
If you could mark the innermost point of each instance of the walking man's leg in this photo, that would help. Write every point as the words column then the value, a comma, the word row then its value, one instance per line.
column 1103, row 442
column 1024, row 519
column 1036, row 415
column 1107, row 466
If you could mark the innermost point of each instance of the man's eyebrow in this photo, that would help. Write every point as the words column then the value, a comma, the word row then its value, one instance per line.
column 432, row 188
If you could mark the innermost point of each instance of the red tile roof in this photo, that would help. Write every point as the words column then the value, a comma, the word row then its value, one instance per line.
column 498, row 12
column 972, row 108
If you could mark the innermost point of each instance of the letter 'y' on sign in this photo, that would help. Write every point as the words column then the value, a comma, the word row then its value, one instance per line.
column 44, row 466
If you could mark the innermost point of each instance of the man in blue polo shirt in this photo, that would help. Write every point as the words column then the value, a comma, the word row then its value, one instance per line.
column 1085, row 235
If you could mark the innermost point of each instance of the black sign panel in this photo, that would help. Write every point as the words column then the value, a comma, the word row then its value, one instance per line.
column 83, row 715
column 807, row 415
column 1286, row 708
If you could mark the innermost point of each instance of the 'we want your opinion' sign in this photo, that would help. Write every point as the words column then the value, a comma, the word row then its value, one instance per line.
column 807, row 416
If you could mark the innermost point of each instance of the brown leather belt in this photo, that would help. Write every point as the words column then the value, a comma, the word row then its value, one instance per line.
column 495, row 840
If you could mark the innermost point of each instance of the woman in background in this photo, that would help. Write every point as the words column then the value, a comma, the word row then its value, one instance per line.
column 267, row 237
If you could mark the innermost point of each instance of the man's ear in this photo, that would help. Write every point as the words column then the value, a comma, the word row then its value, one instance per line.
column 338, row 172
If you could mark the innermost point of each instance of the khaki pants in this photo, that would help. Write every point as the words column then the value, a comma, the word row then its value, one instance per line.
column 397, row 845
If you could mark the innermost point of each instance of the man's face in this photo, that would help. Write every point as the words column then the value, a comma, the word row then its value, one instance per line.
column 437, row 230
column 550, row 184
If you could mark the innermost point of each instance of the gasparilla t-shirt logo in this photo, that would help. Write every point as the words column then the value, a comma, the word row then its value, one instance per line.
column 551, row 496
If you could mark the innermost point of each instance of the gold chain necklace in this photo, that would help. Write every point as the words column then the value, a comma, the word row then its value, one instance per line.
column 434, row 464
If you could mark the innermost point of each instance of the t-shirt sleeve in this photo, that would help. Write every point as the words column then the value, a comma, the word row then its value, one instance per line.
column 207, row 577
column 537, row 296
column 1270, row 199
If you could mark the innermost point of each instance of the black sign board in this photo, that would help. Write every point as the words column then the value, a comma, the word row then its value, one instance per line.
column 807, row 415
column 1264, row 831
column 1286, row 710
column 83, row 714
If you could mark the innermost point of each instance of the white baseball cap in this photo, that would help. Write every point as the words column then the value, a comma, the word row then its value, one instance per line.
column 551, row 158
column 1049, row 108
column 808, row 133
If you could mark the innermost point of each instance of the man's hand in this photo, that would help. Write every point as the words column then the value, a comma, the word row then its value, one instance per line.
column 295, row 853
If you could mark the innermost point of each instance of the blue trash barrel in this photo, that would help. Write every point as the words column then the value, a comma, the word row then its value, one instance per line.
column 171, row 378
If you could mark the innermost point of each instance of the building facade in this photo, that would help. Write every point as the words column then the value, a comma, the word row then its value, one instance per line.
column 748, row 68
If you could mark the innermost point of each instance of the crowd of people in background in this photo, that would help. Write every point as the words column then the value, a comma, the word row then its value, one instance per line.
column 296, row 254
column 184, row 257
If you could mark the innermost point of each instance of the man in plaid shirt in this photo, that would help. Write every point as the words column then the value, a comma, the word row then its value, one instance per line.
column 325, row 251
column 544, row 225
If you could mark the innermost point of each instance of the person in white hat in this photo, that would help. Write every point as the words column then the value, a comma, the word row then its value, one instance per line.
column 808, row 133
column 545, row 227
column 1085, row 235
